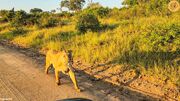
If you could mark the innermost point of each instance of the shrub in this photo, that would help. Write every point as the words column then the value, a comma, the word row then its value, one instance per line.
column 10, row 15
column 87, row 22
column 102, row 12
column 20, row 18
column 47, row 22
column 65, row 14
column 98, row 11
column 63, row 22
column 18, row 31
column 148, row 7
column 12, row 33
column 162, row 37
column 3, row 14
column 51, row 22
column 33, row 19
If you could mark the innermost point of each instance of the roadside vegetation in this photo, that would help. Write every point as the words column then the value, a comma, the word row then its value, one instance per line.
column 144, row 35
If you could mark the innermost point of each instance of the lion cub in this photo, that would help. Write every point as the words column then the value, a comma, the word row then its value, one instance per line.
column 61, row 61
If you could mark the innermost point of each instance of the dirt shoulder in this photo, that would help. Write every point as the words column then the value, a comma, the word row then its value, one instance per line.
column 22, row 78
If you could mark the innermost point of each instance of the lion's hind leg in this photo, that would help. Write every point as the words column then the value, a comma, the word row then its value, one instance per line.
column 73, row 78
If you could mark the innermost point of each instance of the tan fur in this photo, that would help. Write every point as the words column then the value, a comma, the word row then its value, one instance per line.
column 60, row 61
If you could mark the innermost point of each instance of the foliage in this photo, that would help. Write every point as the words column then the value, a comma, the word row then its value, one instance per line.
column 20, row 18
column 53, row 11
column 74, row 5
column 10, row 15
column 65, row 3
column 162, row 37
column 33, row 19
column 94, row 5
column 13, row 33
column 150, row 2
column 47, row 22
column 87, row 22
column 156, row 7
column 65, row 14
column 103, row 12
column 3, row 14
column 18, row 31
column 36, row 10
column 130, row 2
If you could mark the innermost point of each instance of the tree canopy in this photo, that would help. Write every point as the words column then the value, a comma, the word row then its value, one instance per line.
column 73, row 5
column 36, row 10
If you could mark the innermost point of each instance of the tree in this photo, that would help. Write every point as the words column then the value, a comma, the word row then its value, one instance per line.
column 94, row 5
column 10, row 15
column 74, row 5
column 20, row 18
column 36, row 10
column 53, row 11
column 64, row 3
column 87, row 21
column 102, row 12
column 148, row 7
column 130, row 2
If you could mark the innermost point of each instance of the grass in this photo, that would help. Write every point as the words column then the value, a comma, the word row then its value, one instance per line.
column 124, row 44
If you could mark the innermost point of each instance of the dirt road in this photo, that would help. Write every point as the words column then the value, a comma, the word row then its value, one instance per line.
column 23, row 79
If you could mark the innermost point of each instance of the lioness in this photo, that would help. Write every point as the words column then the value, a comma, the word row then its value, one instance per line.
column 61, row 61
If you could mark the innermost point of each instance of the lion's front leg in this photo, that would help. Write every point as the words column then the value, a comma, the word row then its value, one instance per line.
column 47, row 68
column 57, row 77
column 73, row 78
column 48, row 65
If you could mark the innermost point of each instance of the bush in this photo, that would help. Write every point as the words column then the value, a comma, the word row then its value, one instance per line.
column 33, row 19
column 63, row 22
column 47, row 22
column 51, row 22
column 87, row 22
column 20, row 18
column 162, row 37
column 102, row 12
column 18, row 31
column 13, row 33
column 98, row 11
column 10, row 15
column 65, row 14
